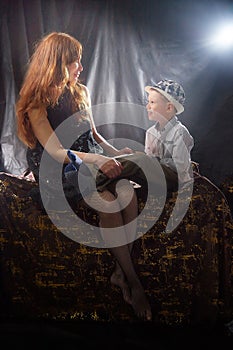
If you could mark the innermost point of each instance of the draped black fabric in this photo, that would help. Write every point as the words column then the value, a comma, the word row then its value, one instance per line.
column 127, row 44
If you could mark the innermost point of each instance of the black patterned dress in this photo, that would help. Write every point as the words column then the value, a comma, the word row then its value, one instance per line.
column 73, row 131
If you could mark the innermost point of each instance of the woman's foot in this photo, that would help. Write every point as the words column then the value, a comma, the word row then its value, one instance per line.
column 140, row 303
column 134, row 296
column 118, row 279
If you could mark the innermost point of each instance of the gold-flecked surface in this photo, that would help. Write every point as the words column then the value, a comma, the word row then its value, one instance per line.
column 187, row 274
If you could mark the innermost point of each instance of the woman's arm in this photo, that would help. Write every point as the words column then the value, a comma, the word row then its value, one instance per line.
column 108, row 148
column 49, row 140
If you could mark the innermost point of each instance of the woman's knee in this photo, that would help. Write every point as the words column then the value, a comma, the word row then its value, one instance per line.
column 104, row 202
column 125, row 193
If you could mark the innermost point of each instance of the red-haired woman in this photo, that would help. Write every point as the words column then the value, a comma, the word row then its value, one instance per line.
column 50, row 94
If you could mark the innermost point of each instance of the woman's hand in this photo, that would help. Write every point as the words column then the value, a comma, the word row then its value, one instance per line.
column 125, row 150
column 109, row 166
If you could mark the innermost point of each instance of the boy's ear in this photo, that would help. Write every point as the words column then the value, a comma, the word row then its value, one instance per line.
column 171, row 107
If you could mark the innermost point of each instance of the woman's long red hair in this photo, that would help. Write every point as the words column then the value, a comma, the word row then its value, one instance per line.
column 46, row 78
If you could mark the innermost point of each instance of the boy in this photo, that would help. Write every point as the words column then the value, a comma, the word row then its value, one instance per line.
column 168, row 142
column 168, row 139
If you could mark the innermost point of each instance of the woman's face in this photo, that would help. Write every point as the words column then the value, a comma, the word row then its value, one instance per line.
column 75, row 68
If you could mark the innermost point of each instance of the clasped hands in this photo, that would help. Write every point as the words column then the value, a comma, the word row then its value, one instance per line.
column 111, row 167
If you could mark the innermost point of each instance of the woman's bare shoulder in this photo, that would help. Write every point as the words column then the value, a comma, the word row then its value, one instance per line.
column 84, row 88
column 85, row 93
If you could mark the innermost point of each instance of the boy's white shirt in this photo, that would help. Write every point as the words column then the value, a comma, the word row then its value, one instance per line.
column 172, row 145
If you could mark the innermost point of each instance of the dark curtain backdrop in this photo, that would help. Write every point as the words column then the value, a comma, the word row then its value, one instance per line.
column 127, row 45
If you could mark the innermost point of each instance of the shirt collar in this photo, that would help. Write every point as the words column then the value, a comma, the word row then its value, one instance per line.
column 168, row 126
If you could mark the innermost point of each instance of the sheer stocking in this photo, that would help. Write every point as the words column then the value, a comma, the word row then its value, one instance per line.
column 117, row 227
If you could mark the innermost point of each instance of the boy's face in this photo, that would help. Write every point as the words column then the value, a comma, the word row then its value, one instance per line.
column 157, row 106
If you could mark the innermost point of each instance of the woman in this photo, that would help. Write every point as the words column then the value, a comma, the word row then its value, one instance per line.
column 51, row 92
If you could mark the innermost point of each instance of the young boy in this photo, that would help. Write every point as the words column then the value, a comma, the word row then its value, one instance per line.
column 168, row 142
column 168, row 139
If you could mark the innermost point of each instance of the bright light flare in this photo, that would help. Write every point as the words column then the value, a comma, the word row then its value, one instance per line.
column 223, row 37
